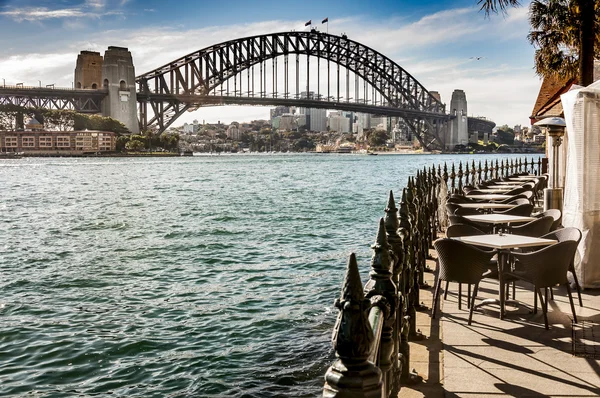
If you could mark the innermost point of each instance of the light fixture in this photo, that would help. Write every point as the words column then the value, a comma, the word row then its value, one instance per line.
column 553, row 196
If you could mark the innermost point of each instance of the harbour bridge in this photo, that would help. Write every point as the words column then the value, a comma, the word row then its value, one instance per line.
column 303, row 69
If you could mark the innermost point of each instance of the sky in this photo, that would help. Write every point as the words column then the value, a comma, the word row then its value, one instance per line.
column 437, row 42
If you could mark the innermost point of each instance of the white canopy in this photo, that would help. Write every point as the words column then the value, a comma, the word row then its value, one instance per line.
column 582, row 178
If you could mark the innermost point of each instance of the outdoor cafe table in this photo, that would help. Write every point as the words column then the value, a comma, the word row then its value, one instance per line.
column 504, row 186
column 485, row 205
column 494, row 190
column 512, row 183
column 503, row 243
column 489, row 196
column 522, row 178
column 498, row 218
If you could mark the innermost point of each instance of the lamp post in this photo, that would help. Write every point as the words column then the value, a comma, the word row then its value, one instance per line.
column 553, row 196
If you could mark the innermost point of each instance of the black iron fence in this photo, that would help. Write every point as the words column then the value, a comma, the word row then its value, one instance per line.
column 375, row 324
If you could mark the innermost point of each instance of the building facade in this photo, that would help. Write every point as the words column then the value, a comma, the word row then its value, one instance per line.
column 57, row 143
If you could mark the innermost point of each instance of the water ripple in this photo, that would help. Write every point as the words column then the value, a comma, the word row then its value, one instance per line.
column 205, row 276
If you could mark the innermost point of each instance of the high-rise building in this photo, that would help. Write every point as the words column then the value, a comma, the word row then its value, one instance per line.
column 234, row 132
column 339, row 123
column 316, row 119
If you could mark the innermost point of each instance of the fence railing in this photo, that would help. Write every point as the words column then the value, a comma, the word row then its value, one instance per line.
column 375, row 324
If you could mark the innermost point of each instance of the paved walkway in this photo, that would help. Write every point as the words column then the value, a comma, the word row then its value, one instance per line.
column 514, row 357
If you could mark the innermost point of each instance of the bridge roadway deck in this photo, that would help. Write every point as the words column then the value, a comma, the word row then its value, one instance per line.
column 514, row 357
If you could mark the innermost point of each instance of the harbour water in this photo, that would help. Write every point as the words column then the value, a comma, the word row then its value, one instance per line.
column 206, row 276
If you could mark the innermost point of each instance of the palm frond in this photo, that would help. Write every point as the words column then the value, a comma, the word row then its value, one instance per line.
column 496, row 6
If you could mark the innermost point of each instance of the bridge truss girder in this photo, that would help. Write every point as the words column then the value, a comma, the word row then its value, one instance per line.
column 84, row 101
column 181, row 85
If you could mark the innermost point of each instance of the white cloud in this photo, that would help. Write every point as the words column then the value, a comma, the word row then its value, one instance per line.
column 41, row 13
column 95, row 3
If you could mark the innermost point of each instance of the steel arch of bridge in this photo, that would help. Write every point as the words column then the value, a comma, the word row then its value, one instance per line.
column 191, row 81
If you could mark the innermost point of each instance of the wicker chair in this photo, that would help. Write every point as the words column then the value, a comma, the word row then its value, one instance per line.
column 535, row 228
column 459, row 199
column 455, row 231
column 555, row 214
column 512, row 198
column 521, row 201
column 563, row 235
column 516, row 191
column 462, row 263
column 519, row 210
column 546, row 268
column 486, row 228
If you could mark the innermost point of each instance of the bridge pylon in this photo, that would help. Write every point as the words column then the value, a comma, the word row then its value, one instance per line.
column 118, row 74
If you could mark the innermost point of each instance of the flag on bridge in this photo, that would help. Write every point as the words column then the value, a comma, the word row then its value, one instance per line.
column 308, row 23
column 325, row 20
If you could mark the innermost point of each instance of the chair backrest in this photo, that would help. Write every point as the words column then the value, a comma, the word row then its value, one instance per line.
column 555, row 214
column 476, row 192
column 459, row 199
column 465, row 211
column 515, row 197
column 451, row 207
column 519, row 210
column 468, row 188
column 548, row 266
column 457, row 230
column 516, row 191
column 562, row 235
column 535, row 228
column 460, row 262
column 454, row 219
column 520, row 201
column 528, row 194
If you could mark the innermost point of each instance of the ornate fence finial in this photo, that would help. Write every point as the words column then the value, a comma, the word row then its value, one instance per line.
column 497, row 170
column 352, row 374
column 479, row 170
column 485, row 170
column 467, row 174
column 460, row 176
column 452, row 179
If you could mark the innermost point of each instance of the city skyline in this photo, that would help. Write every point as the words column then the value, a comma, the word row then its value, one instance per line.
column 439, row 43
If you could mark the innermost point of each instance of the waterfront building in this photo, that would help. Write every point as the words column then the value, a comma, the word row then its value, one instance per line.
column 316, row 119
column 275, row 122
column 287, row 122
column 188, row 128
column 278, row 111
column 234, row 132
column 338, row 122
column 380, row 123
column 58, row 143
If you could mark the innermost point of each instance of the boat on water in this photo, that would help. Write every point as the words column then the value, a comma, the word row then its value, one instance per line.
column 11, row 155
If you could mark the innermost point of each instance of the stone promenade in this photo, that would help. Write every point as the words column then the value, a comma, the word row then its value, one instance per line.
column 514, row 357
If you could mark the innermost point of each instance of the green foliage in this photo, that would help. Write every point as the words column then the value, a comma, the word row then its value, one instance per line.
column 377, row 138
column 135, row 145
column 304, row 144
column 97, row 122
column 505, row 135
column 122, row 142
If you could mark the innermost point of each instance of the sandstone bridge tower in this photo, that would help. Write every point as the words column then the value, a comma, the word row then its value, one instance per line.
column 115, row 73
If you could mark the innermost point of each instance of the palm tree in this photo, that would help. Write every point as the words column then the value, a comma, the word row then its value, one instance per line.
column 561, row 29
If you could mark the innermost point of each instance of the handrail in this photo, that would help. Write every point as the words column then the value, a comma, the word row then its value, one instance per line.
column 53, row 88
column 375, row 324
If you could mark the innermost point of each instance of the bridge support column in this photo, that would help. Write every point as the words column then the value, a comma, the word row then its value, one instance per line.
column 118, row 74
column 459, row 127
